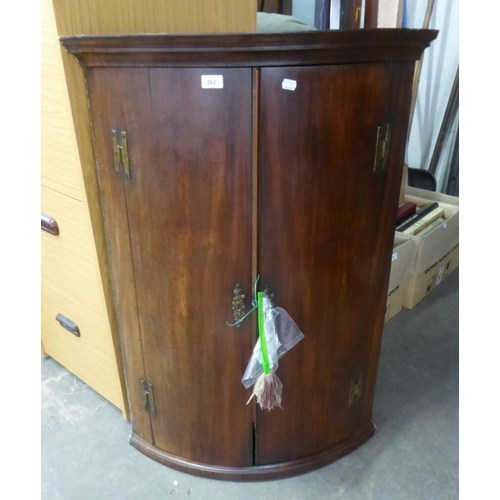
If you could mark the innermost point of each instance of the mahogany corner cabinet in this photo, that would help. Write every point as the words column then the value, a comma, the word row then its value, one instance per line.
column 223, row 157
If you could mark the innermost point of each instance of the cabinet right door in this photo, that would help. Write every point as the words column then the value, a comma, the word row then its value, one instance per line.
column 320, row 202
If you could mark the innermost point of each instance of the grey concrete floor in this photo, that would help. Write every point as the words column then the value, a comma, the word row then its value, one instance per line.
column 414, row 455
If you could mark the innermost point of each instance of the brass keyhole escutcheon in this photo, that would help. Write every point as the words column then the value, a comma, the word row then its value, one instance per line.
column 238, row 303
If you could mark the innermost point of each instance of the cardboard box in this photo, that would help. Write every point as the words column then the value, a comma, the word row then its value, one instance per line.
column 437, row 254
column 403, row 261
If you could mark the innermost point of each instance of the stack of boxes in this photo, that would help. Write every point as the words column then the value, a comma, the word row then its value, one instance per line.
column 420, row 263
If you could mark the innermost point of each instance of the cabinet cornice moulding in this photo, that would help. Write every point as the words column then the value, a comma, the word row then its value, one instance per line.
column 254, row 49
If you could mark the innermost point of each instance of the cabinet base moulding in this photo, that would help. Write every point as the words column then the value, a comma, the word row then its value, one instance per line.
column 258, row 472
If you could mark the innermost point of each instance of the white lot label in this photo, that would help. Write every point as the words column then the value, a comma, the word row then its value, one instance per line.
column 394, row 255
column 440, row 275
column 289, row 84
column 212, row 82
column 445, row 225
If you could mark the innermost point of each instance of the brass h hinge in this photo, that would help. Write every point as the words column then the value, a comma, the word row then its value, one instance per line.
column 148, row 397
column 382, row 148
column 355, row 392
column 120, row 152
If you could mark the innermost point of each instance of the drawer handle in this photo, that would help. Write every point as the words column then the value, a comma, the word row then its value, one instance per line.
column 68, row 324
column 50, row 225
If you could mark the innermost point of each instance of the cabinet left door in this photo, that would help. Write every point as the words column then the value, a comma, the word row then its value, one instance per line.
column 179, row 238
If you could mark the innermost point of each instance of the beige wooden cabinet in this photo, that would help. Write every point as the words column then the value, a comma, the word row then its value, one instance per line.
column 71, row 278
column 75, row 270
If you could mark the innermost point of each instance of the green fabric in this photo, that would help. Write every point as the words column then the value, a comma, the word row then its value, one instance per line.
column 278, row 23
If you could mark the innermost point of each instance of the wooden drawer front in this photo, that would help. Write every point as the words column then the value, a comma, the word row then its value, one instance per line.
column 90, row 356
column 69, row 260
column 60, row 160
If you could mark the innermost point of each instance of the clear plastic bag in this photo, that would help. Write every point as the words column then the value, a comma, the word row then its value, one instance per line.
column 288, row 332
column 281, row 335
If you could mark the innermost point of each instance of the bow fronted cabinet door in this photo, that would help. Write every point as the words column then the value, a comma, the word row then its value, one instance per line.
column 328, row 181
column 177, row 207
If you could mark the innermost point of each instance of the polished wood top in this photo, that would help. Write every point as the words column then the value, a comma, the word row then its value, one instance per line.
column 250, row 49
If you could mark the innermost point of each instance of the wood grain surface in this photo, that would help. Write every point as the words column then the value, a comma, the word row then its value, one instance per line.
column 212, row 200
column 250, row 49
column 74, row 255
column 257, row 472
column 119, row 17
column 191, row 243
column 154, row 16
column 112, row 193
column 90, row 357
column 398, row 110
column 60, row 162
column 319, row 205
column 68, row 260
